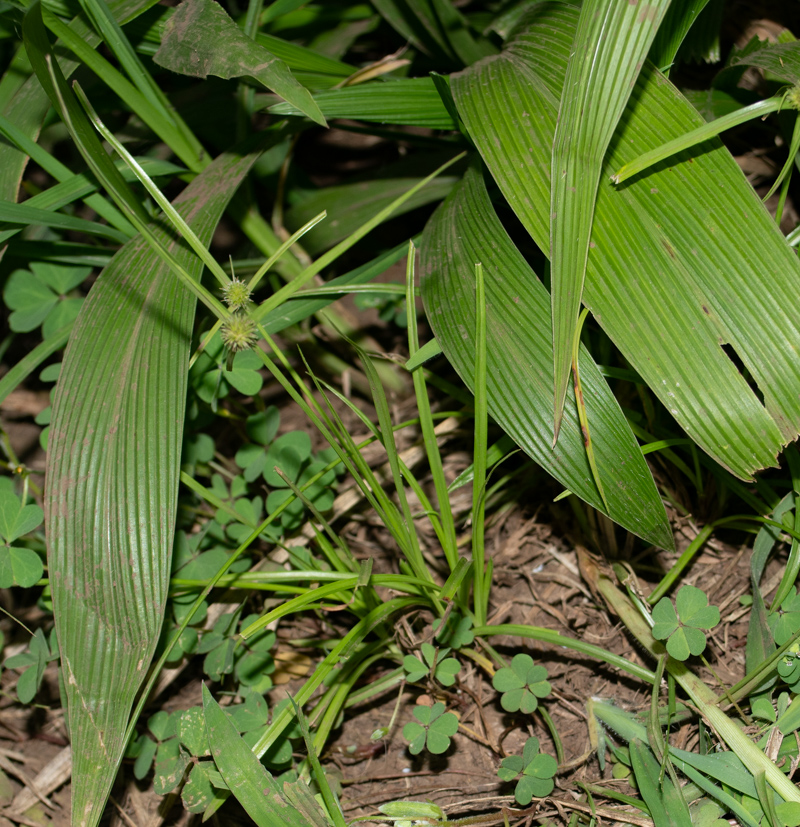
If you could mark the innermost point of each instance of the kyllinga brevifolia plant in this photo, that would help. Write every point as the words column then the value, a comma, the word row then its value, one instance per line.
column 536, row 107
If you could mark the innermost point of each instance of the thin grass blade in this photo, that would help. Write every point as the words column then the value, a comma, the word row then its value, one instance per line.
column 449, row 539
column 29, row 104
column 480, row 449
column 24, row 214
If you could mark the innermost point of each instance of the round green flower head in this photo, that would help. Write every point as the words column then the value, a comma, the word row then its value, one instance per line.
column 793, row 96
column 239, row 333
column 236, row 294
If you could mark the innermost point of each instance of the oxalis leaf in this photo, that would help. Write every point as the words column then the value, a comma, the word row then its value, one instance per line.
column 465, row 229
column 112, row 475
column 681, row 628
column 683, row 258
column 200, row 40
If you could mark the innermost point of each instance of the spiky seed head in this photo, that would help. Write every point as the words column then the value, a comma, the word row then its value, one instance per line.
column 239, row 333
column 793, row 96
column 236, row 294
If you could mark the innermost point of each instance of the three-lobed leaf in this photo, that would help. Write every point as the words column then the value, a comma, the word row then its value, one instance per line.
column 16, row 519
column 534, row 769
column 454, row 631
column 680, row 625
column 432, row 729
column 785, row 621
column 34, row 662
column 18, row 566
column 521, row 684
column 435, row 662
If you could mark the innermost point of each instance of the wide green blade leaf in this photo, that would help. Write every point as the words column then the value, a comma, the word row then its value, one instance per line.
column 679, row 19
column 466, row 230
column 780, row 59
column 257, row 791
column 201, row 40
column 112, row 479
column 148, row 33
column 683, row 259
column 410, row 102
column 611, row 42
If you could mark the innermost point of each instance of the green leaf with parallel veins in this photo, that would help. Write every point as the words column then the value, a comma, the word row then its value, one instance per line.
column 611, row 42
column 118, row 410
column 200, row 40
column 257, row 791
column 408, row 101
column 682, row 257
column 465, row 229
column 780, row 59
